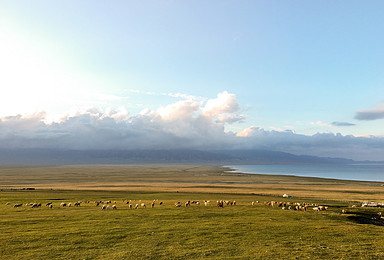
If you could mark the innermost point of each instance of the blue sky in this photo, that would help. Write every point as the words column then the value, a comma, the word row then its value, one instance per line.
column 304, row 66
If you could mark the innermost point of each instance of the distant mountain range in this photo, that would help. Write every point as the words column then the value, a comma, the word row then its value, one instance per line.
column 60, row 157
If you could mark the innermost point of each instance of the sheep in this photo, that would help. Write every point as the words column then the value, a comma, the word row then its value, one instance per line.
column 188, row 203
column 50, row 206
column 69, row 204
column 114, row 206
column 153, row 204
column 17, row 205
column 197, row 203
column 8, row 203
column 253, row 203
column 161, row 203
column 104, row 207
column 143, row 205
column 77, row 204
column 137, row 206
column 177, row 204
column 63, row 204
column 316, row 209
column 35, row 205
column 49, row 203
column 205, row 203
column 220, row 204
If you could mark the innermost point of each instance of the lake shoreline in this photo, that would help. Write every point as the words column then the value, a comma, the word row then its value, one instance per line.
column 331, row 172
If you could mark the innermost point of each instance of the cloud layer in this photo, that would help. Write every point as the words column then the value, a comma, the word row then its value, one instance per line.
column 186, row 124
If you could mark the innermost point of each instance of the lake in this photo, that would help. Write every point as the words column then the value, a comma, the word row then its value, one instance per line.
column 359, row 172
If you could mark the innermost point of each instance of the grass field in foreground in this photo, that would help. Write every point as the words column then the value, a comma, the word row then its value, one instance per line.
column 166, row 232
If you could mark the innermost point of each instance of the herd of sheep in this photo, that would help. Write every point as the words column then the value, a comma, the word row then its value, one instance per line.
column 133, row 204
column 293, row 206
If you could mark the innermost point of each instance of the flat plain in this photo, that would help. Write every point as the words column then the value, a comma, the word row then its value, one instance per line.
column 241, row 231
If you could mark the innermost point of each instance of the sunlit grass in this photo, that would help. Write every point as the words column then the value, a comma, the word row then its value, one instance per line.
column 166, row 232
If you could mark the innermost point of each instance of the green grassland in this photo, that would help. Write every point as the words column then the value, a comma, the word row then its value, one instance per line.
column 241, row 231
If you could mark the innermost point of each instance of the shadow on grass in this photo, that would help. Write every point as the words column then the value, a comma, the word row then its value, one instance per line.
column 367, row 218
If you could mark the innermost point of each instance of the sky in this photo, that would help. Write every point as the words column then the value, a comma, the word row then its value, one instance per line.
column 298, row 76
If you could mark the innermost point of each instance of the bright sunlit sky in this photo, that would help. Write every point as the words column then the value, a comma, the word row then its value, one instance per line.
column 305, row 66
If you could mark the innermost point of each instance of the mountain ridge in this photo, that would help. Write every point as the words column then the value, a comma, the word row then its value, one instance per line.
column 64, row 157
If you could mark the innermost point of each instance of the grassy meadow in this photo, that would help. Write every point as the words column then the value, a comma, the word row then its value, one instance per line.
column 241, row 231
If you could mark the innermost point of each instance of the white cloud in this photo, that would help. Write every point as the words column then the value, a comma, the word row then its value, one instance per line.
column 184, row 109
column 319, row 123
column 225, row 103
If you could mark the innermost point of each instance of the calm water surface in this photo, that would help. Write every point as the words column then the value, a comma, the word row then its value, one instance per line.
column 358, row 172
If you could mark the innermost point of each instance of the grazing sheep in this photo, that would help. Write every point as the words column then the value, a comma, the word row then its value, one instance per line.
column 114, row 206
column 188, row 203
column 137, row 206
column 35, row 205
column 63, row 204
column 161, row 203
column 220, row 204
column 153, row 204
column 49, row 203
column 316, row 209
column 69, row 204
column 77, row 204
column 253, row 203
column 17, row 205
column 50, row 206
column 197, row 203
column 104, row 207
column 177, row 204
column 205, row 203
column 8, row 203
column 130, row 206
column 143, row 205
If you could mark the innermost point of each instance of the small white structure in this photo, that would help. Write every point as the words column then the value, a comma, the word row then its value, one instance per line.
column 287, row 196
